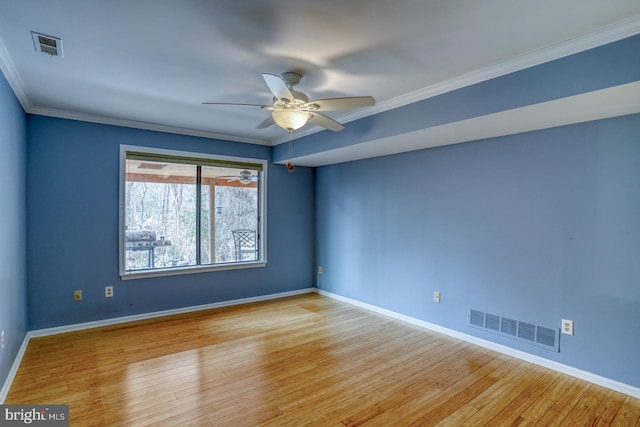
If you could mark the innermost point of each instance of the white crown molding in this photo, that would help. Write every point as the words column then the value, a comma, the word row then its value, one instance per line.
column 10, row 73
column 591, row 40
column 13, row 78
column 527, row 357
column 52, row 112
column 599, row 37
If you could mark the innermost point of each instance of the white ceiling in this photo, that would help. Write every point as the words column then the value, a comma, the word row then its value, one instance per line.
column 151, row 63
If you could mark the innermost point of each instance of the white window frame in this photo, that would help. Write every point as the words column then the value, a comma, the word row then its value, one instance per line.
column 157, row 272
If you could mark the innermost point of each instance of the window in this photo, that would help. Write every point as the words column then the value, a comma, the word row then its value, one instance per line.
column 187, row 212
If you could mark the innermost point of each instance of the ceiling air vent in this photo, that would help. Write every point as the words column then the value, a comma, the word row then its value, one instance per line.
column 47, row 44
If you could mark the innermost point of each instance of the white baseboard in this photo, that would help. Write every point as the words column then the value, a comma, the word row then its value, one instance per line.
column 118, row 320
column 4, row 391
column 155, row 314
column 559, row 367
column 537, row 360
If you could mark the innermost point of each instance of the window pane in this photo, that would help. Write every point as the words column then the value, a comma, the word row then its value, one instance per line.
column 160, row 215
column 229, row 211
column 182, row 209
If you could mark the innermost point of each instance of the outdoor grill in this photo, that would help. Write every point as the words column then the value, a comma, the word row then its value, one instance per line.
column 144, row 240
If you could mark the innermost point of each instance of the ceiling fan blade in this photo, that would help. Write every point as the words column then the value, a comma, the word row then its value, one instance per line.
column 233, row 104
column 325, row 122
column 346, row 103
column 278, row 87
column 266, row 123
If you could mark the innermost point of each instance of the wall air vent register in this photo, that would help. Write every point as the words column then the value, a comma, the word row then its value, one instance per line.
column 524, row 331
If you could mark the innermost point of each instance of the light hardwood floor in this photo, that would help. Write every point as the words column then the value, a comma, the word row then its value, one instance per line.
column 305, row 360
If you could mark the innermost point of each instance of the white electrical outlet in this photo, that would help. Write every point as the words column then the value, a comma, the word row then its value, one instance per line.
column 567, row 327
column 2, row 339
column 108, row 291
column 320, row 270
column 436, row 296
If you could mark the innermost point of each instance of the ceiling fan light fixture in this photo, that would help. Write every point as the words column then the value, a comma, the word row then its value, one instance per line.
column 290, row 119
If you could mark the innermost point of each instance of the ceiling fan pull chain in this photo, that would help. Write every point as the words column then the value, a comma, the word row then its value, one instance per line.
column 289, row 163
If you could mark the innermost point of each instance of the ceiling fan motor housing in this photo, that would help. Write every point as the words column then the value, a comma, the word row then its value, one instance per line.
column 291, row 78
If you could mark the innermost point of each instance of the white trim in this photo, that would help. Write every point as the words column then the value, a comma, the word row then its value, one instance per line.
column 4, row 391
column 13, row 78
column 537, row 360
column 608, row 34
column 192, row 269
column 599, row 37
column 10, row 73
column 587, row 376
column 155, row 314
column 118, row 320
column 92, row 118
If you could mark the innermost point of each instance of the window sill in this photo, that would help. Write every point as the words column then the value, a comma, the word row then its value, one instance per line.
column 161, row 272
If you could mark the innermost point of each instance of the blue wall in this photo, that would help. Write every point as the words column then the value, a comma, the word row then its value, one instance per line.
column 13, row 279
column 538, row 227
column 72, row 220
column 606, row 66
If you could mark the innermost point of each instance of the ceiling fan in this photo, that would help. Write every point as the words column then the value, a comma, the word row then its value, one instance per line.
column 292, row 109
column 245, row 177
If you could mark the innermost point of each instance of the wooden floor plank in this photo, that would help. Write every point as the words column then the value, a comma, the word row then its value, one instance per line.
column 304, row 360
column 629, row 413
column 524, row 397
column 558, row 411
column 608, row 408
column 441, row 385
column 542, row 405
